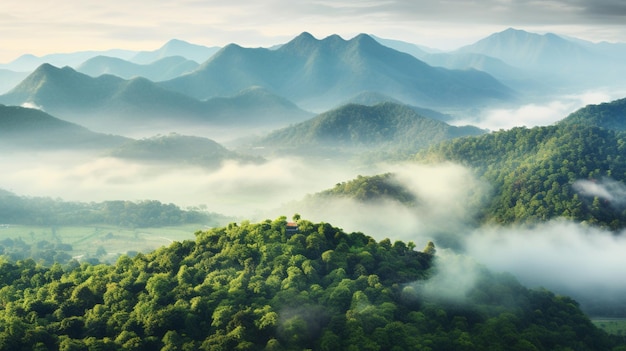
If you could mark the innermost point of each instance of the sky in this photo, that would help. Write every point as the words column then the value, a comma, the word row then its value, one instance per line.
column 41, row 27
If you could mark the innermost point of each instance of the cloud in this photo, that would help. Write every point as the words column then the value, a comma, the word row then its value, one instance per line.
column 562, row 256
column 538, row 114
column 448, row 198
column 454, row 276
column 606, row 189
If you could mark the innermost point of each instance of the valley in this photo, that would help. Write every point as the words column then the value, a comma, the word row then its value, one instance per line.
column 152, row 175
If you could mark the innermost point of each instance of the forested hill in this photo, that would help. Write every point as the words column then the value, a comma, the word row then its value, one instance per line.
column 264, row 287
column 179, row 149
column 533, row 171
column 386, row 126
column 609, row 115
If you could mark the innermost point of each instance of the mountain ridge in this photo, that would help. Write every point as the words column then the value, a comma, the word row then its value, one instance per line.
column 311, row 72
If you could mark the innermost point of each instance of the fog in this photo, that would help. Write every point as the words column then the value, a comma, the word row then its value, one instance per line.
column 565, row 257
column 539, row 113
column 236, row 189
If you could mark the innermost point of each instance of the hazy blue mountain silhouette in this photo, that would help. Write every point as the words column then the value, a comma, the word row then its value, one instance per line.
column 555, row 60
column 176, row 47
column 108, row 101
column 26, row 128
column 162, row 69
column 321, row 73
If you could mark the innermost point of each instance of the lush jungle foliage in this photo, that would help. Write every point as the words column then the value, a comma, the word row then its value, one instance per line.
column 262, row 287
column 532, row 171
column 16, row 209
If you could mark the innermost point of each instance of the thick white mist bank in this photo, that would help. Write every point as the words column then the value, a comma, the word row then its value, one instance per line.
column 538, row 113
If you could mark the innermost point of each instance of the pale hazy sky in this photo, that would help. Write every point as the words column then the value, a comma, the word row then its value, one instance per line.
column 45, row 26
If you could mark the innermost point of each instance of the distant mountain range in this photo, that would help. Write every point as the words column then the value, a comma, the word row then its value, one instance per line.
column 161, row 69
column 174, row 47
column 318, row 74
column 388, row 127
column 9, row 79
column 112, row 104
column 26, row 129
column 531, row 63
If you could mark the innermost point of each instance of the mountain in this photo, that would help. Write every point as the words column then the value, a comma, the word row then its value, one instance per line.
column 403, row 46
column 549, row 58
column 276, row 286
column 529, row 50
column 112, row 104
column 175, row 47
column 25, row 128
column 162, row 69
column 387, row 127
column 321, row 73
column 373, row 98
column 28, row 62
column 609, row 115
column 179, row 149
column 536, row 174
column 9, row 79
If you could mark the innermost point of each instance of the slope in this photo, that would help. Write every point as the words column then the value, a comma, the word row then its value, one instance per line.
column 385, row 127
column 608, row 115
column 179, row 150
column 551, row 59
column 113, row 104
column 537, row 173
column 162, row 69
column 175, row 47
column 321, row 73
column 261, row 286
column 26, row 129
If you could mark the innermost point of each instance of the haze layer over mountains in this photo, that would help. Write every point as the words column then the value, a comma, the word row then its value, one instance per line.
column 250, row 132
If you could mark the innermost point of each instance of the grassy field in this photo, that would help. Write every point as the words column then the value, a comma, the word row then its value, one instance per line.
column 105, row 242
column 615, row 326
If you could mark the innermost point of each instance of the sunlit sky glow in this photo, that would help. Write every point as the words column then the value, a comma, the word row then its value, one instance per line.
column 41, row 26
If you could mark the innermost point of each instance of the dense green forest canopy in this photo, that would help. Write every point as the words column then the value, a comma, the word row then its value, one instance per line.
column 387, row 128
column 263, row 287
column 532, row 171
column 609, row 115
column 371, row 188
column 16, row 209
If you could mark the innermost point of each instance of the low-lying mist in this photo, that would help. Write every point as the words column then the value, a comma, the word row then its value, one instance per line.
column 584, row 262
column 569, row 258
column 539, row 113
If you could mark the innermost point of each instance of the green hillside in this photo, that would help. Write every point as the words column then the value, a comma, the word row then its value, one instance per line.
column 179, row 149
column 372, row 188
column 263, row 287
column 387, row 127
column 532, row 171
column 609, row 115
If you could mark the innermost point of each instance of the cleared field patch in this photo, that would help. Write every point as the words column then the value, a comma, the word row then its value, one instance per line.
column 614, row 326
column 105, row 242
